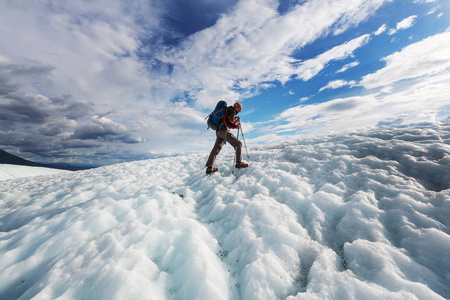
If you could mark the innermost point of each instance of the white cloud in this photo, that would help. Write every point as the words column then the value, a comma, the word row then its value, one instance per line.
column 418, row 103
column 92, row 51
column 380, row 30
column 427, row 57
column 267, row 139
column 337, row 84
column 304, row 99
column 404, row 24
column 357, row 12
column 245, row 48
column 433, row 10
column 348, row 66
column 253, row 44
column 412, row 101
column 310, row 68
column 87, row 51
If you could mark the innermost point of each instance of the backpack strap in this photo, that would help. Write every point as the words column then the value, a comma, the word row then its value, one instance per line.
column 224, row 122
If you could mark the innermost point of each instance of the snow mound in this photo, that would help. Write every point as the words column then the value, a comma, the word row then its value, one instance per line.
column 359, row 216
column 8, row 171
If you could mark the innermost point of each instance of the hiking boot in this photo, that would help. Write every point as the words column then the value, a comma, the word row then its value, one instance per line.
column 241, row 165
column 210, row 170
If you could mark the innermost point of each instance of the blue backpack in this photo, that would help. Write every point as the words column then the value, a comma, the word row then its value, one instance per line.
column 215, row 117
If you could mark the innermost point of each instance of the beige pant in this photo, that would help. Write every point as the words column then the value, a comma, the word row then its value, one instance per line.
column 223, row 135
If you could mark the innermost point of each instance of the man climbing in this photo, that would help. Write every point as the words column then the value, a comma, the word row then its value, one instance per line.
column 223, row 134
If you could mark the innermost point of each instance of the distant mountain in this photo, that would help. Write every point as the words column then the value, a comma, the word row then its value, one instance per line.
column 8, row 158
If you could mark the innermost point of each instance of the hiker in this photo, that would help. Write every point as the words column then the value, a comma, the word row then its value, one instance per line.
column 223, row 134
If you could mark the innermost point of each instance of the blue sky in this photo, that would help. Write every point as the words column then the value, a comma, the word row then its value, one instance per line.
column 99, row 82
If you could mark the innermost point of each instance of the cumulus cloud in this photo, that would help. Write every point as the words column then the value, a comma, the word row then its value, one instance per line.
column 93, row 77
column 403, row 102
column 254, row 43
column 101, row 128
column 335, row 84
column 380, row 30
column 375, row 109
column 304, row 99
column 348, row 66
column 404, row 24
column 427, row 57
column 310, row 68
column 70, row 61
column 18, row 108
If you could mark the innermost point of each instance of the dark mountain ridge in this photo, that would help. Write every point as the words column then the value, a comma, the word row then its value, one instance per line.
column 8, row 158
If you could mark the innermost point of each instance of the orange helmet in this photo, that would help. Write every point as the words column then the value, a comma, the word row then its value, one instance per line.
column 237, row 104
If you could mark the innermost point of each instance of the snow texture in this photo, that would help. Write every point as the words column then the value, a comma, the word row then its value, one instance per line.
column 356, row 216
column 15, row 171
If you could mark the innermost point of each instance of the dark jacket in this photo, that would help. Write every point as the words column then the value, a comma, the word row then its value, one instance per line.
column 228, row 119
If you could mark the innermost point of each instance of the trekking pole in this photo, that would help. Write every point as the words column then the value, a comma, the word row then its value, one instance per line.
column 234, row 162
column 242, row 132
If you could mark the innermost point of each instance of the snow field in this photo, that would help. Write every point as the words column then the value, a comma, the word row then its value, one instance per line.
column 14, row 171
column 358, row 216
column 109, row 239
